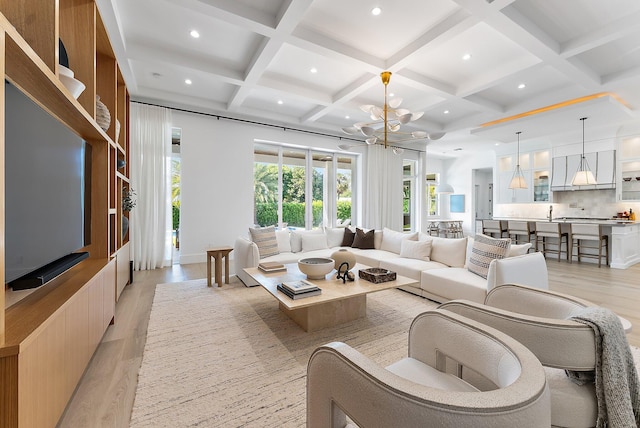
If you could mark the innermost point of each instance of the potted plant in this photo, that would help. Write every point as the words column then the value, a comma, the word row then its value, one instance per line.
column 128, row 203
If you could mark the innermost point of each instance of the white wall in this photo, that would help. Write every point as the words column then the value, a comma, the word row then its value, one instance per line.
column 217, row 178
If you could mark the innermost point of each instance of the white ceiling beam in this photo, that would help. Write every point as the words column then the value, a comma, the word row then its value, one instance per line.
column 234, row 13
column 594, row 38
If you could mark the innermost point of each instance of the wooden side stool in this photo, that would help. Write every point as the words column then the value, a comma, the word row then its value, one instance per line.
column 218, row 254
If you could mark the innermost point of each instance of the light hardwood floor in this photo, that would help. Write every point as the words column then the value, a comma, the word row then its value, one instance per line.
column 104, row 397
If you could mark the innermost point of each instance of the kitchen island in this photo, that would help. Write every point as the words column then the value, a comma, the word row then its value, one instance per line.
column 624, row 236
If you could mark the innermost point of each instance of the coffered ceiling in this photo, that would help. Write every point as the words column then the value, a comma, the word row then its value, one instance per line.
column 253, row 54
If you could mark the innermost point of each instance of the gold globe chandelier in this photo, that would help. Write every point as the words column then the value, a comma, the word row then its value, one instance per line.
column 387, row 120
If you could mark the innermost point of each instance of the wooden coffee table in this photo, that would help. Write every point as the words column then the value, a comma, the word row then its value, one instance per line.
column 338, row 303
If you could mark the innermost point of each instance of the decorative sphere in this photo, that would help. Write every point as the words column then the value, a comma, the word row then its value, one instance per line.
column 316, row 267
column 343, row 255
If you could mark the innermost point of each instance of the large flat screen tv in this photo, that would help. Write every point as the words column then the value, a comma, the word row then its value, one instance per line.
column 46, row 175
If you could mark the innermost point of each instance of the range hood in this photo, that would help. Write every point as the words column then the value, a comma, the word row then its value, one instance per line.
column 602, row 164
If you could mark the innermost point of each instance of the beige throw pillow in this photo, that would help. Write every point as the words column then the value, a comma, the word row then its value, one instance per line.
column 419, row 250
column 485, row 249
column 450, row 252
column 392, row 240
column 265, row 239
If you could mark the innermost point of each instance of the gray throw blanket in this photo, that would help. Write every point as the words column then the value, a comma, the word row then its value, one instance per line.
column 616, row 378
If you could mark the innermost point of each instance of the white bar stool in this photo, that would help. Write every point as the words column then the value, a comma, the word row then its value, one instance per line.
column 590, row 232
column 545, row 230
column 519, row 231
column 492, row 227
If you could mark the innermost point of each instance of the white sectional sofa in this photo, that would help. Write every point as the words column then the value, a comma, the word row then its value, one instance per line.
column 443, row 275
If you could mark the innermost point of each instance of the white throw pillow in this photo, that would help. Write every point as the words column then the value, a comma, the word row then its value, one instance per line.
column 314, row 241
column 486, row 249
column 334, row 236
column 518, row 249
column 451, row 252
column 284, row 240
column 420, row 250
column 296, row 238
column 392, row 240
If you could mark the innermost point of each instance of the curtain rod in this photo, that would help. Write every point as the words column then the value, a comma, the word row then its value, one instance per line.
column 269, row 125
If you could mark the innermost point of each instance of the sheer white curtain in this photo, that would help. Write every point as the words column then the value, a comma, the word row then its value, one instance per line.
column 151, row 179
column 383, row 184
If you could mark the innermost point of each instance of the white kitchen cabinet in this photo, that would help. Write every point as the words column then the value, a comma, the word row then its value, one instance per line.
column 630, row 169
column 535, row 166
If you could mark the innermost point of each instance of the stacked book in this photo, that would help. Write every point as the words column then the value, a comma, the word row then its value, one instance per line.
column 299, row 289
column 271, row 267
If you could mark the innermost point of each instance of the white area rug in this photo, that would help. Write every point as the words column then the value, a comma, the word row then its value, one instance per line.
column 227, row 357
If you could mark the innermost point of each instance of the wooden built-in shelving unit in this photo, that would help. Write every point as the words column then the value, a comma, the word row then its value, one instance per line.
column 48, row 338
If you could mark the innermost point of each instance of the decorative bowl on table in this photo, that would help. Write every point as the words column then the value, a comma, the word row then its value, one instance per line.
column 316, row 267
column 377, row 275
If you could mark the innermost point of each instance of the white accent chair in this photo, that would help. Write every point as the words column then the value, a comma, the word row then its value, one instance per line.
column 458, row 373
column 539, row 319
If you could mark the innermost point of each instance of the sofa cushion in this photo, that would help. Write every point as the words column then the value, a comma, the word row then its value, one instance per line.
column 334, row 236
column 451, row 252
column 571, row 404
column 372, row 258
column 485, row 249
column 420, row 250
column 454, row 283
column 283, row 237
column 347, row 238
column 314, row 241
column 296, row 238
column 363, row 240
column 423, row 374
column 411, row 268
column 392, row 240
column 265, row 239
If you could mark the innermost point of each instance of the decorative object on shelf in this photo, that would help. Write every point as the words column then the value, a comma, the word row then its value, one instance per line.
column 518, row 181
column 583, row 175
column 74, row 86
column 377, row 275
column 316, row 267
column 121, row 163
column 63, row 58
column 103, row 117
column 128, row 203
column 343, row 256
column 117, row 130
column 627, row 178
column 387, row 120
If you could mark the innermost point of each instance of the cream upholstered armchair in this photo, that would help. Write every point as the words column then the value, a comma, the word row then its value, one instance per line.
column 539, row 319
column 458, row 373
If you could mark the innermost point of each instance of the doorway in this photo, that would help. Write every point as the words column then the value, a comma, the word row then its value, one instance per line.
column 482, row 196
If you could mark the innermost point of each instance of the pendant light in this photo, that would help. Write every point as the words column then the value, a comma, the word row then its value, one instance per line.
column 518, row 181
column 583, row 175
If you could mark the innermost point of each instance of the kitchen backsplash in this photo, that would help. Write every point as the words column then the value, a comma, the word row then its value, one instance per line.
column 583, row 203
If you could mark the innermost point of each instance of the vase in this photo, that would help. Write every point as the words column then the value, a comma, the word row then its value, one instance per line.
column 103, row 117
column 125, row 226
column 342, row 256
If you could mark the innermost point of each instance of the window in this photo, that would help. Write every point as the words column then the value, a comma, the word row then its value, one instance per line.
column 408, row 190
column 433, row 201
column 300, row 188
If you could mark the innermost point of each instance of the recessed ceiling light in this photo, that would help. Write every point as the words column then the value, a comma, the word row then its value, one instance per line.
column 457, row 149
column 314, row 70
column 194, row 34
column 391, row 94
column 522, row 86
column 347, row 117
column 280, row 102
column 497, row 144
column 446, row 112
column 188, row 81
column 466, row 56
column 376, row 11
